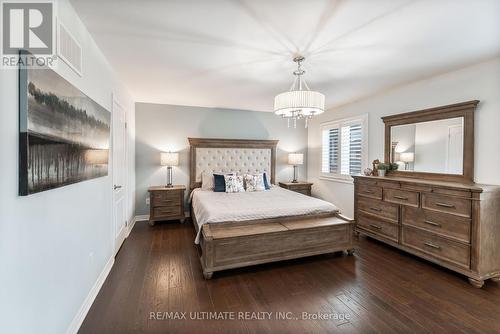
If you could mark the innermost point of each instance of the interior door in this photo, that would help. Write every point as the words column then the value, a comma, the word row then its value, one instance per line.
column 119, row 175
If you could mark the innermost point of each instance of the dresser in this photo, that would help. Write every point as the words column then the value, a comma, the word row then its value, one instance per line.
column 454, row 225
column 166, row 203
column 429, row 205
column 300, row 187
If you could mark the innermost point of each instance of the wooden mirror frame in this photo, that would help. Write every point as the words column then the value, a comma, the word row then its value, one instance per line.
column 465, row 110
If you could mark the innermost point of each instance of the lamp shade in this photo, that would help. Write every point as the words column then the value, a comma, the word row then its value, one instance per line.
column 407, row 157
column 295, row 158
column 305, row 101
column 169, row 158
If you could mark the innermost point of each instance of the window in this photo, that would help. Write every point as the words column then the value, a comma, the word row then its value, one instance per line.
column 344, row 149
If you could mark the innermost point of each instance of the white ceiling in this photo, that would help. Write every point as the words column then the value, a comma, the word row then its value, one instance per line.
column 237, row 54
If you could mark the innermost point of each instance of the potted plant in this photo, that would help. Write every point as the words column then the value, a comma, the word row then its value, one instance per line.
column 393, row 166
column 382, row 168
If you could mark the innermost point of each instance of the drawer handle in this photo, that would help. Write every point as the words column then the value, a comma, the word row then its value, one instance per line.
column 376, row 226
column 445, row 205
column 376, row 209
column 430, row 244
column 432, row 223
column 401, row 198
column 368, row 191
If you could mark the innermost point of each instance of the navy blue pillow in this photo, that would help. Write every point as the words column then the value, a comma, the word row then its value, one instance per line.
column 266, row 184
column 219, row 183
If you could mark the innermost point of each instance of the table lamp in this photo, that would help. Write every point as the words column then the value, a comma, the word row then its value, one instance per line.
column 407, row 157
column 295, row 159
column 169, row 159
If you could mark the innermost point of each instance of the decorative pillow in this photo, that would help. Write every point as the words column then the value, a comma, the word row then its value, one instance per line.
column 254, row 182
column 266, row 182
column 219, row 183
column 207, row 181
column 234, row 183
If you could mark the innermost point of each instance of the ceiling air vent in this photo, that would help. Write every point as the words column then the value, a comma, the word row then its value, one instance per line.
column 68, row 49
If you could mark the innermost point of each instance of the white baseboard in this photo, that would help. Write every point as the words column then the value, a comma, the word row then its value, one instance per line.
column 141, row 218
column 84, row 309
column 132, row 223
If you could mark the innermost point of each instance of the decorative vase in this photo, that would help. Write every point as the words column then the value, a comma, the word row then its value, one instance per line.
column 381, row 172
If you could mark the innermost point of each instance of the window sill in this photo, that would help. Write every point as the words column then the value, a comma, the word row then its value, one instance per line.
column 339, row 179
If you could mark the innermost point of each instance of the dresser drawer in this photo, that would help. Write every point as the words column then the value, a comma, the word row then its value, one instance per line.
column 379, row 208
column 371, row 191
column 378, row 226
column 442, row 223
column 401, row 197
column 457, row 206
column 167, row 211
column 432, row 244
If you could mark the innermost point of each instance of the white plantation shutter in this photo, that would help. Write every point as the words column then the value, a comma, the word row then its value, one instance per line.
column 330, row 156
column 344, row 147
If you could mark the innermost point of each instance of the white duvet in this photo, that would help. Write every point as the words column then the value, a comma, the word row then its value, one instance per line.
column 217, row 207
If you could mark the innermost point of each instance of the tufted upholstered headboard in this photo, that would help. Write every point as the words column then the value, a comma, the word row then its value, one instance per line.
column 231, row 155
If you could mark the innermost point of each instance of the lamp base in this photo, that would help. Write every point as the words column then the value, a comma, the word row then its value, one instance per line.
column 295, row 175
column 169, row 177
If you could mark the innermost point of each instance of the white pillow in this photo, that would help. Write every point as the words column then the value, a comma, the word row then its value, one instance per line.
column 254, row 182
column 207, row 181
column 234, row 183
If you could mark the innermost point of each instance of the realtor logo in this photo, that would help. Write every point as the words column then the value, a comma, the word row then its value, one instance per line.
column 27, row 26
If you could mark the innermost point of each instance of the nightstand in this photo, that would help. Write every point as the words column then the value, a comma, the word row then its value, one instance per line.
column 300, row 187
column 166, row 203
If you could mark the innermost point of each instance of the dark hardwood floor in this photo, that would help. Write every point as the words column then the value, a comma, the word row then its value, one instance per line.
column 379, row 290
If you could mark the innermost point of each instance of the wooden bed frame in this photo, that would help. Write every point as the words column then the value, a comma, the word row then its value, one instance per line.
column 239, row 244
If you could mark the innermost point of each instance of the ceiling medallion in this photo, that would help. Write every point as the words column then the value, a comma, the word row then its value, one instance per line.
column 299, row 102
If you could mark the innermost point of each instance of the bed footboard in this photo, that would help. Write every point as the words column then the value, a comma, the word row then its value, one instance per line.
column 226, row 246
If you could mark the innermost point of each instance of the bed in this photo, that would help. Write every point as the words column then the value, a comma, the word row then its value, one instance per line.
column 248, row 228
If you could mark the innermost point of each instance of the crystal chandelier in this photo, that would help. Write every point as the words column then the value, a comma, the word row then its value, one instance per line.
column 300, row 102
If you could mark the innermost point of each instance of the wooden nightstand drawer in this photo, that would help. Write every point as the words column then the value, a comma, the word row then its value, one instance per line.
column 167, row 211
column 172, row 195
column 299, row 187
column 166, row 198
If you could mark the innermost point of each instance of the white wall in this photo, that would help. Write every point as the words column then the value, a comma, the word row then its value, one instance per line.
column 481, row 81
column 163, row 127
column 54, row 244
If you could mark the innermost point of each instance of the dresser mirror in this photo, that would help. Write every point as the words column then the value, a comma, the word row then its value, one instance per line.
column 436, row 143
column 429, row 147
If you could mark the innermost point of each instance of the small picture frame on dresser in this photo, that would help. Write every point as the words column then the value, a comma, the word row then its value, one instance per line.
column 166, row 203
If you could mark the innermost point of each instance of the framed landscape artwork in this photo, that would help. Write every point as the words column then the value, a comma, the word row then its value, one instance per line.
column 64, row 135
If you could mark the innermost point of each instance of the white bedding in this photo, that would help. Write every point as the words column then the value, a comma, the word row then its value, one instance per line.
column 217, row 207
